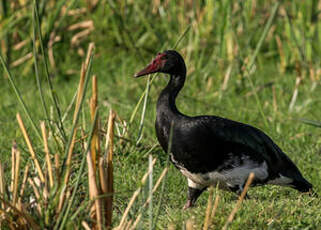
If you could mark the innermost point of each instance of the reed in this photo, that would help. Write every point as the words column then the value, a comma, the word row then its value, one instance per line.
column 109, row 180
column 133, row 198
column 208, row 209
column 239, row 202
column 31, row 150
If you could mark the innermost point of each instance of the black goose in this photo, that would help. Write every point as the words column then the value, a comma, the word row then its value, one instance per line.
column 211, row 149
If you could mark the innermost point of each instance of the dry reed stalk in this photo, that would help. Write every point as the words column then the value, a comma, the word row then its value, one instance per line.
column 80, row 52
column 160, row 178
column 93, row 190
column 37, row 194
column 230, row 48
column 312, row 73
column 133, row 198
column 171, row 226
column 149, row 198
column 85, row 225
column 61, row 199
column 81, row 25
column 71, row 147
column 32, row 152
column 110, row 175
column 76, row 39
column 57, row 165
column 77, row 11
column 208, row 209
column 156, row 4
column 21, row 44
column 45, row 195
column 92, row 195
column 69, row 72
column 77, row 107
column 295, row 92
column 23, row 185
column 227, row 77
column 16, row 176
column 52, row 40
column 103, row 183
column 23, row 3
column 91, row 47
column 68, row 162
column 13, row 167
column 189, row 224
column 84, row 68
column 80, row 89
column 239, row 202
column 124, row 226
column 21, row 60
column 214, row 209
column 102, row 175
column 127, row 226
column 48, row 161
column 95, row 151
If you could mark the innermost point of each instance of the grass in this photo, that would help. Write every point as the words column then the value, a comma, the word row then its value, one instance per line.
column 279, row 94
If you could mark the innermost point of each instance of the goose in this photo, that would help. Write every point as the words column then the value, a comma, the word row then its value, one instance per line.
column 210, row 150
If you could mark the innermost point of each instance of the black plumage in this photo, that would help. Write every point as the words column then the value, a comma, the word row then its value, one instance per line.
column 211, row 149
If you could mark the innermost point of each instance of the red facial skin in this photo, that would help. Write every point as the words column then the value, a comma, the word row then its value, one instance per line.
column 155, row 66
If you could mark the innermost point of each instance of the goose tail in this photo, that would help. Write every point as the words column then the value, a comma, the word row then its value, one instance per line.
column 302, row 185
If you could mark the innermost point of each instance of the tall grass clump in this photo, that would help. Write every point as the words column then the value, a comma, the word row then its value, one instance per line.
column 48, row 193
column 51, row 194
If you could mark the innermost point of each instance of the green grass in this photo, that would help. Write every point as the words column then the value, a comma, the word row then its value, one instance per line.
column 222, row 35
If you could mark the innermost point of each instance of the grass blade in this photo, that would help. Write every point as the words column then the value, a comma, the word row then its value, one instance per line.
column 310, row 122
column 140, row 129
column 44, row 106
column 53, row 96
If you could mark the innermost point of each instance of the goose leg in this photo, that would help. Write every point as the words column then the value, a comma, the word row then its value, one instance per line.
column 194, row 191
column 238, row 190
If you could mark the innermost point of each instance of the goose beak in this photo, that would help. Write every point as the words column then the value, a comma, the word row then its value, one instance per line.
column 151, row 68
column 156, row 65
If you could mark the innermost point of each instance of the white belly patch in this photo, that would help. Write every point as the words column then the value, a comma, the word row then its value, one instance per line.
column 282, row 180
column 236, row 176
